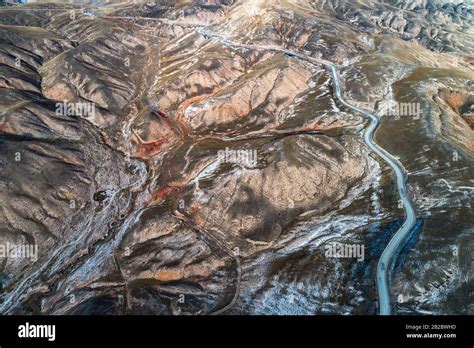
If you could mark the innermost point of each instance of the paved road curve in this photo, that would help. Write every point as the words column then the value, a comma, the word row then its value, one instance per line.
column 386, row 261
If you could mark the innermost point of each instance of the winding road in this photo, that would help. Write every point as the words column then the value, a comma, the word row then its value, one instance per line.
column 386, row 261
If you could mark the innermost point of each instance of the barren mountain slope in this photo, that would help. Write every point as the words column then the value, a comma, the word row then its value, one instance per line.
column 211, row 176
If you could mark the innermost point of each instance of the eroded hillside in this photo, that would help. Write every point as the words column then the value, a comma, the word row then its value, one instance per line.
column 210, row 176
